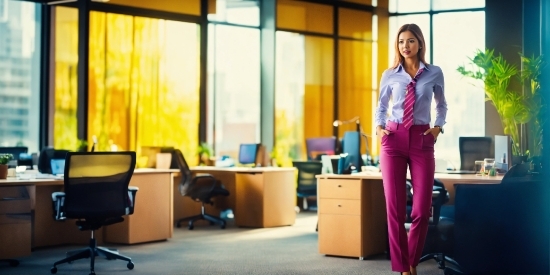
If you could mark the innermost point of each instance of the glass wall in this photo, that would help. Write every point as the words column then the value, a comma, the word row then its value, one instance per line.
column 143, row 83
column 304, row 93
column 312, row 54
column 19, row 74
column 456, row 36
column 66, row 77
column 234, row 87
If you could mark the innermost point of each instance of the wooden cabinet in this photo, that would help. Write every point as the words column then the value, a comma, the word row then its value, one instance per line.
column 152, row 219
column 265, row 198
column 350, row 221
column 16, row 204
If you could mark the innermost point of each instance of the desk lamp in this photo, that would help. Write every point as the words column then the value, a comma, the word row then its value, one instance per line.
column 355, row 120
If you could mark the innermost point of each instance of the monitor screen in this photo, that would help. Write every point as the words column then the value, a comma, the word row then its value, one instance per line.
column 46, row 155
column 503, row 152
column 16, row 152
column 248, row 153
column 351, row 145
column 58, row 166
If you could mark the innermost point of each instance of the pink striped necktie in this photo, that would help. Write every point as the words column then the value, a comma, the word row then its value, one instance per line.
column 409, row 101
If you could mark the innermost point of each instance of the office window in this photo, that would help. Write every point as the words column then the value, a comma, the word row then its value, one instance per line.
column 192, row 7
column 355, row 87
column 19, row 80
column 463, row 4
column 65, row 60
column 241, row 12
column 466, row 115
column 304, row 95
column 305, row 16
column 233, row 88
column 143, row 82
column 404, row 6
column 354, row 24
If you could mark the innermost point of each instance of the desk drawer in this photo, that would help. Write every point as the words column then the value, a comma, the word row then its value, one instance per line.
column 15, row 239
column 340, row 235
column 15, row 206
column 340, row 206
column 339, row 189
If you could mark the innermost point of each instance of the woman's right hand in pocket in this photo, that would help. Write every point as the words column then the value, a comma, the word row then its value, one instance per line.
column 381, row 131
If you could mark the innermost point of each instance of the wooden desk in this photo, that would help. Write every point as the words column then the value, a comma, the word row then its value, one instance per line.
column 259, row 197
column 352, row 211
column 151, row 221
column 153, row 212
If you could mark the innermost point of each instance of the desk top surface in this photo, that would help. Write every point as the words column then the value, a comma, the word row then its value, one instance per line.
column 462, row 178
column 241, row 169
column 10, row 181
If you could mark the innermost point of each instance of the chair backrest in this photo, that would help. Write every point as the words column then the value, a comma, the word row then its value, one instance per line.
column 307, row 182
column 185, row 171
column 46, row 155
column 472, row 149
column 320, row 146
column 96, row 183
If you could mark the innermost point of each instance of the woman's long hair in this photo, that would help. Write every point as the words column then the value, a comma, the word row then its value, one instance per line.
column 415, row 30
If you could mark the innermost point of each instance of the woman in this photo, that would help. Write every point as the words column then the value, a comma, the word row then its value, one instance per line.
column 407, row 139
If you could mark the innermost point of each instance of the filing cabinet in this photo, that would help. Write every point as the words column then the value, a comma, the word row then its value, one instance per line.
column 349, row 226
column 16, row 204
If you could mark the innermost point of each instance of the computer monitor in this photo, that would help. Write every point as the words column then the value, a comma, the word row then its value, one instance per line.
column 17, row 152
column 351, row 145
column 330, row 163
column 248, row 153
column 46, row 156
column 503, row 153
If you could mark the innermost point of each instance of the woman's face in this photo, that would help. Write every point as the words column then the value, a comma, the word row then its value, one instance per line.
column 408, row 44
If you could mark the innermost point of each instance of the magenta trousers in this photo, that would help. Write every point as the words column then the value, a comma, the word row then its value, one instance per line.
column 402, row 148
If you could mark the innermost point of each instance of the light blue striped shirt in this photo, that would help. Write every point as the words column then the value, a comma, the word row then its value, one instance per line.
column 393, row 86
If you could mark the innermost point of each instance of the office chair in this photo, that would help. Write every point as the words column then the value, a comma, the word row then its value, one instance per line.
column 96, row 194
column 320, row 146
column 472, row 149
column 46, row 155
column 306, row 180
column 438, row 243
column 201, row 188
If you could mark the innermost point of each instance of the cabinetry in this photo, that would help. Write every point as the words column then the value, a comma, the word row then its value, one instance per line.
column 16, row 204
column 352, row 217
column 265, row 197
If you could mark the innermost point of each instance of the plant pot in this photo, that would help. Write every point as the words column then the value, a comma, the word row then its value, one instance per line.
column 518, row 159
column 3, row 171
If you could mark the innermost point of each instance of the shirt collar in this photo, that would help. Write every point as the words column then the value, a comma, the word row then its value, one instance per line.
column 400, row 67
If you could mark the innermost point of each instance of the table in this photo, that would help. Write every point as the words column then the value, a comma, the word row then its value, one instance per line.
column 151, row 220
column 259, row 197
column 352, row 211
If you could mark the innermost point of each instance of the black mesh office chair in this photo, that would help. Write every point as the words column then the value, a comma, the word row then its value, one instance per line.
column 472, row 149
column 201, row 188
column 306, row 180
column 96, row 194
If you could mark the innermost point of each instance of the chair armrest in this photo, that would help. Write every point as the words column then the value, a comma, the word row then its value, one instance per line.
column 58, row 204
column 132, row 192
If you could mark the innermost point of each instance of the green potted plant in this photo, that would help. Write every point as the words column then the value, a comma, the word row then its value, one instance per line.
column 204, row 153
column 4, row 159
column 516, row 109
